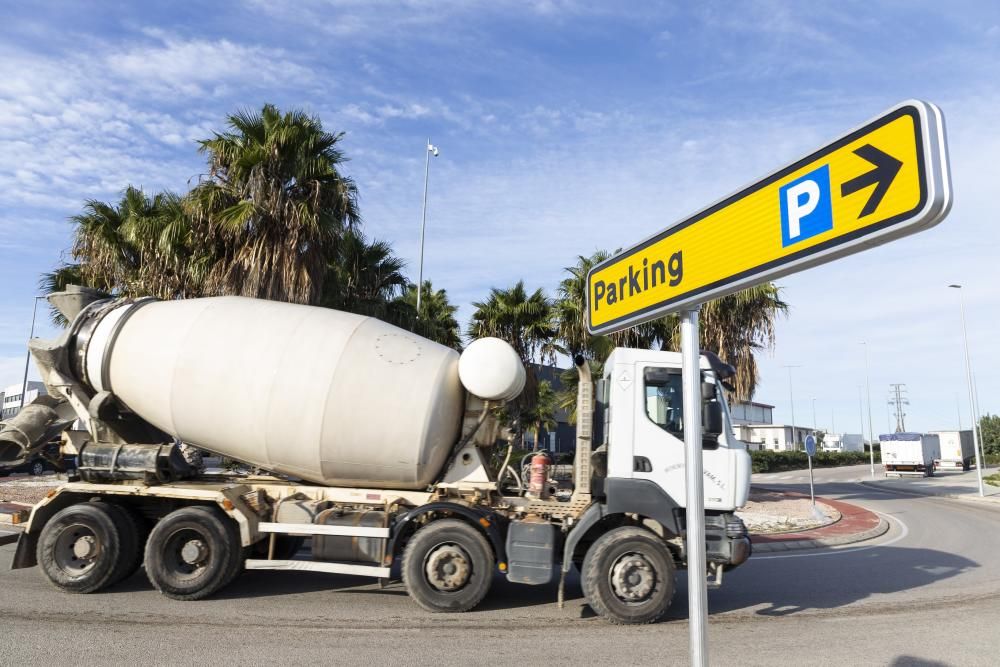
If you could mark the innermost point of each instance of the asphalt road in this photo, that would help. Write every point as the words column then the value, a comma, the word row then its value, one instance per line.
column 926, row 593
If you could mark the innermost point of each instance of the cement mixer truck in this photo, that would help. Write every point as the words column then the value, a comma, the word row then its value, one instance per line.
column 371, row 443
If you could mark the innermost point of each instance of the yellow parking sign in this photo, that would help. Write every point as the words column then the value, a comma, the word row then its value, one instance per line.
column 886, row 179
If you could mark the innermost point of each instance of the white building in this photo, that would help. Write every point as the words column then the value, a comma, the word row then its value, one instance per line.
column 775, row 437
column 843, row 442
column 11, row 402
column 750, row 412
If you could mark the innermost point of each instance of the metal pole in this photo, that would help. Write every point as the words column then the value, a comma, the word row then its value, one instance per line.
column 868, row 391
column 423, row 223
column 791, row 401
column 958, row 409
column 812, row 495
column 695, row 514
column 27, row 359
column 861, row 413
column 972, row 398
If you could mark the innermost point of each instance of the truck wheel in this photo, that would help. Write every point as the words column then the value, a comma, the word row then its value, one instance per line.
column 132, row 531
column 79, row 548
column 628, row 576
column 191, row 553
column 448, row 566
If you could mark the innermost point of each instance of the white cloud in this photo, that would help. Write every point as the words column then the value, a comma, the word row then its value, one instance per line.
column 172, row 65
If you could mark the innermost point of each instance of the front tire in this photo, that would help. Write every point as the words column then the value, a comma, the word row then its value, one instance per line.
column 628, row 576
column 79, row 548
column 448, row 566
column 192, row 553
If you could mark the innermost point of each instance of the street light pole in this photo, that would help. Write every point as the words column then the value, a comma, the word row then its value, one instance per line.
column 27, row 360
column 972, row 396
column 868, row 391
column 791, row 399
column 431, row 150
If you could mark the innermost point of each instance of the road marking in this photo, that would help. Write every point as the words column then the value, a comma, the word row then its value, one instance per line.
column 837, row 552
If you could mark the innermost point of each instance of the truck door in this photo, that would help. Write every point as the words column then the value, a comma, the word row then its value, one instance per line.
column 658, row 444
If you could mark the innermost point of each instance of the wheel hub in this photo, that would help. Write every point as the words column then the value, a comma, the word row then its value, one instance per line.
column 194, row 552
column 85, row 548
column 448, row 568
column 632, row 578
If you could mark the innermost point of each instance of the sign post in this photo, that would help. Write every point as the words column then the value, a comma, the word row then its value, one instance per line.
column 881, row 181
column 697, row 565
column 810, row 453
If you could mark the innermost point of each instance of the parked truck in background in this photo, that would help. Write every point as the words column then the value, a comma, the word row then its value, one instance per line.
column 909, row 453
column 958, row 450
column 377, row 445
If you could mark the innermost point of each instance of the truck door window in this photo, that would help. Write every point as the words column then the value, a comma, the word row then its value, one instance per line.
column 664, row 404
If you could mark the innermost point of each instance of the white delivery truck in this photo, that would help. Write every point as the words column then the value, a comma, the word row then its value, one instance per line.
column 377, row 445
column 958, row 450
column 909, row 453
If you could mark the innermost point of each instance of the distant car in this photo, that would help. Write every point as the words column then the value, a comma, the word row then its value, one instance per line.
column 38, row 464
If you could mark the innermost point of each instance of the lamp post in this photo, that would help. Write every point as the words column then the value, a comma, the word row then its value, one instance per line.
column 868, row 392
column 27, row 360
column 791, row 399
column 431, row 150
column 972, row 396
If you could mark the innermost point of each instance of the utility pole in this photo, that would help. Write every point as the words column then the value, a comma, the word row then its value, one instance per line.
column 899, row 401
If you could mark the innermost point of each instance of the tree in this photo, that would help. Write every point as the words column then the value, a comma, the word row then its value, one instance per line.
column 274, row 205
column 138, row 246
column 437, row 316
column 364, row 277
column 541, row 416
column 525, row 321
column 570, row 311
column 989, row 426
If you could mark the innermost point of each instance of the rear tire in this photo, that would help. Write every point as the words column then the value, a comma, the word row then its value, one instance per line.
column 628, row 576
column 192, row 553
column 448, row 566
column 133, row 532
column 80, row 548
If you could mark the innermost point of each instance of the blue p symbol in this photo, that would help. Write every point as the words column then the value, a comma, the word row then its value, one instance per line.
column 805, row 206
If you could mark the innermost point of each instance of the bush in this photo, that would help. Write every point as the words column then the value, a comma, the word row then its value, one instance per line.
column 772, row 461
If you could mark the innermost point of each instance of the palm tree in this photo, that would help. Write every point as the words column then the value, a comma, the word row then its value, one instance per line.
column 274, row 205
column 364, row 277
column 437, row 316
column 56, row 281
column 541, row 416
column 526, row 322
column 571, row 307
column 736, row 327
column 138, row 246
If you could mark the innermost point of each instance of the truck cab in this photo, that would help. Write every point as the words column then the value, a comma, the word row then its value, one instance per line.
column 640, row 422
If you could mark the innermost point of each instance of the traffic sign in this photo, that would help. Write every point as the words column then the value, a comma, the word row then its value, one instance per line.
column 811, row 445
column 884, row 180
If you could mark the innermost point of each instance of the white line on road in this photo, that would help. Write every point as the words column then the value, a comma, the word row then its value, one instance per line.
column 903, row 534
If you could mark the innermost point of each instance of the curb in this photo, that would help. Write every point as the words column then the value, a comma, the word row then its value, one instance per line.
column 817, row 542
column 870, row 526
column 976, row 500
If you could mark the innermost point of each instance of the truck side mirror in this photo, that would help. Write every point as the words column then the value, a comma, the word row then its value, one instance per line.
column 711, row 419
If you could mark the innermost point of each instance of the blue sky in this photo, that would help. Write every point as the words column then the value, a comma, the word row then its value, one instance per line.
column 564, row 126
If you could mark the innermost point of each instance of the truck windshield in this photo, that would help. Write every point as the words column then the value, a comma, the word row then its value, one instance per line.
column 664, row 402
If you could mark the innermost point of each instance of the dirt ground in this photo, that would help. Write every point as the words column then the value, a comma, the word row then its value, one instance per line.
column 27, row 489
column 768, row 512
